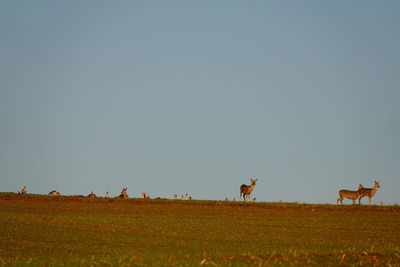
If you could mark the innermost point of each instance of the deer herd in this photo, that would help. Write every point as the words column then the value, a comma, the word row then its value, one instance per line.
column 245, row 192
column 359, row 194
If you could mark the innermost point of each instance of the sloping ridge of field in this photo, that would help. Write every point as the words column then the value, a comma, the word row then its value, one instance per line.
column 74, row 230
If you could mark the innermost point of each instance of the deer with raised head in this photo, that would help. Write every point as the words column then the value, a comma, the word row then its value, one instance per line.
column 368, row 192
column 123, row 194
column 54, row 193
column 107, row 195
column 247, row 189
column 23, row 191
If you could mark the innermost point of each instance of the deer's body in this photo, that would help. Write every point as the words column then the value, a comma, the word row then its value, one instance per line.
column 91, row 195
column 353, row 195
column 246, row 190
column 54, row 193
column 23, row 191
column 107, row 195
column 368, row 192
column 123, row 194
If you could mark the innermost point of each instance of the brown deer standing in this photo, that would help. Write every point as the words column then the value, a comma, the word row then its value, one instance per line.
column 23, row 191
column 353, row 195
column 368, row 192
column 247, row 189
column 124, row 195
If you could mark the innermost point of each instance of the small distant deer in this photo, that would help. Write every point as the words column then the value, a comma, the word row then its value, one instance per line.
column 175, row 196
column 123, row 194
column 91, row 195
column 368, row 192
column 54, row 193
column 353, row 195
column 247, row 189
column 23, row 191
column 107, row 195
column 145, row 195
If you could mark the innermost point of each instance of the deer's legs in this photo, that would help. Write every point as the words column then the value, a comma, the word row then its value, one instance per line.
column 339, row 199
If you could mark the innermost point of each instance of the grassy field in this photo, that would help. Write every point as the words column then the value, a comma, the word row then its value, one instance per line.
column 42, row 230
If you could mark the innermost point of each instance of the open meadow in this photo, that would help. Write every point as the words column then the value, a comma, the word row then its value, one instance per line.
column 42, row 230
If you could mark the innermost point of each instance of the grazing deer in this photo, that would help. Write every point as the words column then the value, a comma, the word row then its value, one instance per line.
column 145, row 195
column 91, row 195
column 353, row 195
column 368, row 192
column 123, row 194
column 23, row 191
column 107, row 195
column 54, row 193
column 247, row 189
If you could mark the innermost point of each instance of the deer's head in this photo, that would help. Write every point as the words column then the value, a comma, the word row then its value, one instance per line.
column 253, row 182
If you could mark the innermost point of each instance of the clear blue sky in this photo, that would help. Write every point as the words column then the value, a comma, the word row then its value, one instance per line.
column 198, row 96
